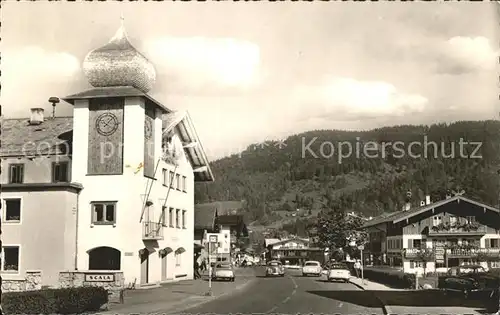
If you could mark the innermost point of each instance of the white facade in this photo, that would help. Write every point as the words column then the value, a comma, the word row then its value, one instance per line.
column 128, row 190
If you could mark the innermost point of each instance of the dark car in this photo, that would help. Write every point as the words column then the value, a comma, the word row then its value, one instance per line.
column 469, row 280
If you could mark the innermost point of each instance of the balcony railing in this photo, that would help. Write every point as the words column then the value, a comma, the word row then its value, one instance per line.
column 457, row 231
column 412, row 253
column 471, row 252
column 417, row 252
column 152, row 231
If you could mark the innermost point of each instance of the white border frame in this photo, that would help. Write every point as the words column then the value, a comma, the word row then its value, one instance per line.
column 4, row 210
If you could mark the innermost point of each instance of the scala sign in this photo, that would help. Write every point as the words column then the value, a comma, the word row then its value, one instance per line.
column 99, row 277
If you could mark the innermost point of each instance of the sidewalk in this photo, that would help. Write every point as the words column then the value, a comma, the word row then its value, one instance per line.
column 403, row 301
column 176, row 296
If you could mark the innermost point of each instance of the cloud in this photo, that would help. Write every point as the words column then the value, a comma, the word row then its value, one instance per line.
column 199, row 63
column 350, row 99
column 39, row 72
column 467, row 54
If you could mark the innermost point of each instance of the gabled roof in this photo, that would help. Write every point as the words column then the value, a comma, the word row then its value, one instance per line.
column 271, row 241
column 301, row 240
column 403, row 215
column 182, row 122
column 19, row 138
column 204, row 216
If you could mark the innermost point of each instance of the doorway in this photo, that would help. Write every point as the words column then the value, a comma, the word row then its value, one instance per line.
column 104, row 258
column 144, row 266
column 164, row 264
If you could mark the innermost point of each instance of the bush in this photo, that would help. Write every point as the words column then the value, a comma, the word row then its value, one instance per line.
column 55, row 301
column 392, row 278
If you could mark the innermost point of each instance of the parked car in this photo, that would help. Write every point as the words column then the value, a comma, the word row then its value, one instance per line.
column 311, row 268
column 468, row 280
column 223, row 271
column 275, row 268
column 338, row 272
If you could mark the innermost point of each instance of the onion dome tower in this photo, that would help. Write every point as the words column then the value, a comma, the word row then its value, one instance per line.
column 118, row 63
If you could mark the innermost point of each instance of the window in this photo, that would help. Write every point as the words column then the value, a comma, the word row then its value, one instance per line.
column 183, row 219
column 494, row 264
column 163, row 214
column 453, row 222
column 470, row 219
column 177, row 223
column 184, row 183
column 60, row 172
column 177, row 181
column 103, row 213
column 165, row 177
column 171, row 179
column 417, row 243
column 494, row 242
column 12, row 210
column 436, row 220
column 178, row 259
column 416, row 264
column 10, row 261
column 16, row 173
column 171, row 217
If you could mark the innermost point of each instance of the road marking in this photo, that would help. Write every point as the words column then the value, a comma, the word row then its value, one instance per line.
column 287, row 298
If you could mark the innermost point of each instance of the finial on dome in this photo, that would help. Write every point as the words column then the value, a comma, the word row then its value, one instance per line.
column 118, row 63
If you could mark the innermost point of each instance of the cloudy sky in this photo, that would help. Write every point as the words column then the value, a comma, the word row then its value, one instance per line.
column 250, row 72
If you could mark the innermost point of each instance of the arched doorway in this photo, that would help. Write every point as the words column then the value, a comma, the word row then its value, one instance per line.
column 104, row 258
column 164, row 262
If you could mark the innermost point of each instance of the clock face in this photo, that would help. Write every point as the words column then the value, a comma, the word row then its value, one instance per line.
column 106, row 124
column 148, row 129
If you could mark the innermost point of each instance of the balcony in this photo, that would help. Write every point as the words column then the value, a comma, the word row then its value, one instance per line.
column 417, row 253
column 152, row 231
column 472, row 252
column 446, row 229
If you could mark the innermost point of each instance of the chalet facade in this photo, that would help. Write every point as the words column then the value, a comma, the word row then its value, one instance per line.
column 295, row 251
column 232, row 230
column 436, row 236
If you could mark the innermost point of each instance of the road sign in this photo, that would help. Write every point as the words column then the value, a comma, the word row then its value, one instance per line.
column 212, row 239
column 361, row 247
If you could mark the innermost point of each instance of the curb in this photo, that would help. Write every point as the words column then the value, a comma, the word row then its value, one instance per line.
column 385, row 308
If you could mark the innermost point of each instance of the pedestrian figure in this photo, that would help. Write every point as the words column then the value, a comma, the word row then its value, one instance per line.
column 204, row 265
column 357, row 267
column 197, row 269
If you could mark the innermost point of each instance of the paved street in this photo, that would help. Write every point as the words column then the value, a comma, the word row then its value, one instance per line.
column 293, row 294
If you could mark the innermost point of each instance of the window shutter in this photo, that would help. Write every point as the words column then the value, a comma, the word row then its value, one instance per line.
column 487, row 242
column 412, row 264
column 410, row 243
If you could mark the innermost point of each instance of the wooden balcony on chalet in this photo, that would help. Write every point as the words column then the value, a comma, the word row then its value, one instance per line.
column 449, row 231
column 416, row 253
column 472, row 252
column 152, row 231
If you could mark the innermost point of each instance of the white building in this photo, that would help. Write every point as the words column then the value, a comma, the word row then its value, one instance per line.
column 132, row 165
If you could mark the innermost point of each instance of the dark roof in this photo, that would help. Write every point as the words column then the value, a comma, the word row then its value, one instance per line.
column 19, row 138
column 113, row 91
column 204, row 216
column 231, row 219
column 403, row 215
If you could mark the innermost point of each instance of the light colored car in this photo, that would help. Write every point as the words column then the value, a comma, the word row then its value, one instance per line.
column 338, row 272
column 223, row 271
column 311, row 268
column 275, row 268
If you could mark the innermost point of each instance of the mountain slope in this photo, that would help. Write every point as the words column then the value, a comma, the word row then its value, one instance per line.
column 276, row 180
